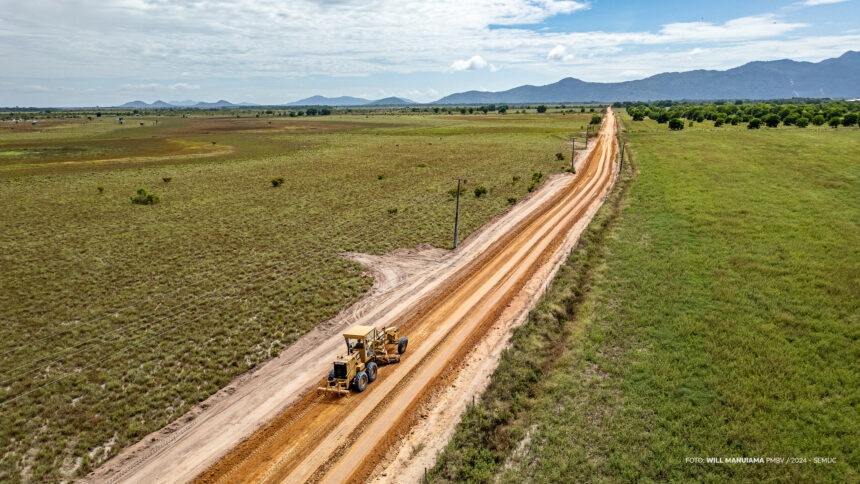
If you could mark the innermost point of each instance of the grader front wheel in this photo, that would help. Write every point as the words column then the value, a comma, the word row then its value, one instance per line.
column 401, row 345
column 360, row 382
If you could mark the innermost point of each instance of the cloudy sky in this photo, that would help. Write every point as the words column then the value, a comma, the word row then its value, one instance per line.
column 106, row 52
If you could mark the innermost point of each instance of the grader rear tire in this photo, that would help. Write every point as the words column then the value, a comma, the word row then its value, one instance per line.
column 401, row 345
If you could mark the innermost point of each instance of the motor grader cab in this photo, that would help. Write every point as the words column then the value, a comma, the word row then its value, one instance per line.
column 366, row 348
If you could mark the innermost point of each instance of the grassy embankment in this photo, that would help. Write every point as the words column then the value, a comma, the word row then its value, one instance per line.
column 132, row 314
column 721, row 320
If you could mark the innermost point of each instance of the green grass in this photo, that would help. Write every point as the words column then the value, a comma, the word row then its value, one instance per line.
column 132, row 314
column 721, row 321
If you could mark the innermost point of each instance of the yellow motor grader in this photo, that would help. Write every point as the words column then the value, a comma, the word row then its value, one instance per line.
column 366, row 349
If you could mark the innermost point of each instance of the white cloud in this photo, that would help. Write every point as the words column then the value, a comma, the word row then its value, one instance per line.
column 140, row 87
column 559, row 53
column 184, row 86
column 813, row 3
column 473, row 63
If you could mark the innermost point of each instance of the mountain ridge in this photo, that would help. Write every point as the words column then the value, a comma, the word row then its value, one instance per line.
column 837, row 77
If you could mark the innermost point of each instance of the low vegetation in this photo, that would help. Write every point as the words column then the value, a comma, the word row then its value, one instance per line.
column 719, row 322
column 117, row 319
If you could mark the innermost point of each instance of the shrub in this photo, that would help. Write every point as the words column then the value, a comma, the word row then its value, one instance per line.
column 392, row 211
column 531, row 187
column 754, row 123
column 512, row 200
column 101, row 189
column 771, row 120
column 536, row 176
column 166, row 179
column 541, row 108
column 596, row 119
column 453, row 192
column 144, row 198
column 480, row 191
column 559, row 156
column 276, row 182
column 514, row 180
column 801, row 122
column 676, row 124
column 818, row 120
column 850, row 119
column 213, row 143
column 381, row 176
column 835, row 122
column 719, row 122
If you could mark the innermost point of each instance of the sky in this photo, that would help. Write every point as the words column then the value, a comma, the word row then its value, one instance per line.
column 64, row 53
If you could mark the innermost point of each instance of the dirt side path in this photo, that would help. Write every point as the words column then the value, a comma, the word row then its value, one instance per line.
column 403, row 279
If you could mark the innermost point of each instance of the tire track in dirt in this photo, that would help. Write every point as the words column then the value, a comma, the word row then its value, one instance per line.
column 343, row 439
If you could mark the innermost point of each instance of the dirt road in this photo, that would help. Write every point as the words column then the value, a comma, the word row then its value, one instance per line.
column 445, row 302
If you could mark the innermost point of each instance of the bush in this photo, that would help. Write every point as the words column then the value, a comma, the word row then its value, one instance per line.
column 453, row 192
column 101, row 189
column 531, row 187
column 835, row 122
column 144, row 198
column 771, row 120
column 512, row 200
column 381, row 176
column 276, row 182
column 559, row 156
column 801, row 122
column 166, row 179
column 536, row 176
column 818, row 120
column 392, row 211
column 754, row 123
column 719, row 122
column 850, row 119
column 596, row 119
column 676, row 124
column 541, row 108
column 480, row 191
column 514, row 180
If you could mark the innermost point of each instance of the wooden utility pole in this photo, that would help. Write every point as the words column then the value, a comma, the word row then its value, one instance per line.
column 457, row 212
column 572, row 154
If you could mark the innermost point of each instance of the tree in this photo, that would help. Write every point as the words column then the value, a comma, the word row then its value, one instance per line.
column 771, row 120
column 596, row 119
column 676, row 124
column 754, row 123
column 801, row 122
column 541, row 108
column 835, row 122
column 850, row 119
column 719, row 122
column 818, row 120
column 663, row 117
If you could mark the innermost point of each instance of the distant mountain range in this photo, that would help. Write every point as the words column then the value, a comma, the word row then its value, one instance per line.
column 310, row 101
column 833, row 78
column 183, row 104
column 350, row 101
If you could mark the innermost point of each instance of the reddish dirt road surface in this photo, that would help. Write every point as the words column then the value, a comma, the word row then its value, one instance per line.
column 447, row 303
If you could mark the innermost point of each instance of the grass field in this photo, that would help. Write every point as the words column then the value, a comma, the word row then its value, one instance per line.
column 720, row 318
column 117, row 318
